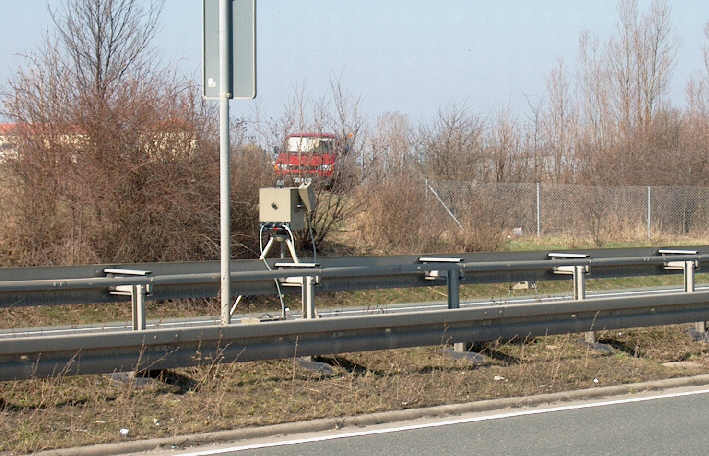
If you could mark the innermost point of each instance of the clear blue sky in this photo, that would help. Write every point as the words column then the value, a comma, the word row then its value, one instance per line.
column 411, row 56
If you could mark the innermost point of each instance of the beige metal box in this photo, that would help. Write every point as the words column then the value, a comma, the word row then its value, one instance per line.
column 282, row 205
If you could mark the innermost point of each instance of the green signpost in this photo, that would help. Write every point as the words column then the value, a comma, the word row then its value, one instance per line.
column 229, row 71
column 242, row 54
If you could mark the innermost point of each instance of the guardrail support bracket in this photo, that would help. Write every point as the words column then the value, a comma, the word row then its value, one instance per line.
column 688, row 268
column 137, row 293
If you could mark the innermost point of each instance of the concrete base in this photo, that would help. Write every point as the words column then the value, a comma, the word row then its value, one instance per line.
column 131, row 378
column 462, row 350
column 698, row 336
column 307, row 362
column 601, row 348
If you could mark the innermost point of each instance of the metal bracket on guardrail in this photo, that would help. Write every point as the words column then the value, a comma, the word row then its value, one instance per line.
column 678, row 265
column 296, row 281
column 452, row 276
column 568, row 270
column 437, row 274
column 306, row 283
column 688, row 268
column 579, row 278
column 137, row 293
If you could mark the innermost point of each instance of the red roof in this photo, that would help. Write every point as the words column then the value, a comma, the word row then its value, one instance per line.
column 7, row 128
column 311, row 135
column 12, row 128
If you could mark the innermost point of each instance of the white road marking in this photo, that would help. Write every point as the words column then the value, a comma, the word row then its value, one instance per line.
column 496, row 416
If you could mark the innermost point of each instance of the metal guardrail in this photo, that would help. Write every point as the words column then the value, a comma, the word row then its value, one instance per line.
column 160, row 348
column 89, row 284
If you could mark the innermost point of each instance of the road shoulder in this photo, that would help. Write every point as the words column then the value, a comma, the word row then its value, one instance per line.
column 172, row 445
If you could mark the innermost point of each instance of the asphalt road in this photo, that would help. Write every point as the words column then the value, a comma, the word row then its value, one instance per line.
column 656, row 426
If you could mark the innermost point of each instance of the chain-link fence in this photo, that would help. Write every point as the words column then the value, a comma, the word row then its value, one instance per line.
column 599, row 212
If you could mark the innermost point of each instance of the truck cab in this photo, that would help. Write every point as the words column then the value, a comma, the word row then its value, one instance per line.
column 306, row 157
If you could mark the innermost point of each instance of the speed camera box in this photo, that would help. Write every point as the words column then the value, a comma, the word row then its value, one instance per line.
column 282, row 205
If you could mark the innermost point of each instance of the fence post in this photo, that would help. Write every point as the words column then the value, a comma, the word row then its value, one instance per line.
column 649, row 211
column 539, row 209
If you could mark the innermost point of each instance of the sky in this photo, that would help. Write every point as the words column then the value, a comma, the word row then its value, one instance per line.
column 408, row 56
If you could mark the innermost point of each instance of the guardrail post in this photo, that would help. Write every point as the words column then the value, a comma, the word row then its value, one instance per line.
column 454, row 287
column 137, row 293
column 453, row 279
column 689, row 276
column 309, row 297
column 688, row 267
column 700, row 326
column 580, row 295
column 577, row 273
column 137, row 297
column 579, row 283
column 306, row 284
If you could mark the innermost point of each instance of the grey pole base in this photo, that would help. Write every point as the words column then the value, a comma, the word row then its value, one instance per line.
column 699, row 332
column 593, row 344
column 464, row 350
column 309, row 363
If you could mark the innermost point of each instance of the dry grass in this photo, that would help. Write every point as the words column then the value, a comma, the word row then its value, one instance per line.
column 69, row 411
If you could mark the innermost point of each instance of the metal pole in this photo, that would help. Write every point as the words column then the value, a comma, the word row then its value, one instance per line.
column 455, row 219
column 649, row 211
column 224, row 156
column 539, row 209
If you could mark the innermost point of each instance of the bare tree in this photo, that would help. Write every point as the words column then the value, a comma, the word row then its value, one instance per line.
column 641, row 59
column 597, row 130
column 390, row 148
column 656, row 53
column 560, row 122
column 621, row 55
column 452, row 147
column 504, row 149
column 533, row 139
column 106, row 41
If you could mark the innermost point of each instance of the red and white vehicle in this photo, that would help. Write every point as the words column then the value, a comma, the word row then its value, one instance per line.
column 307, row 156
